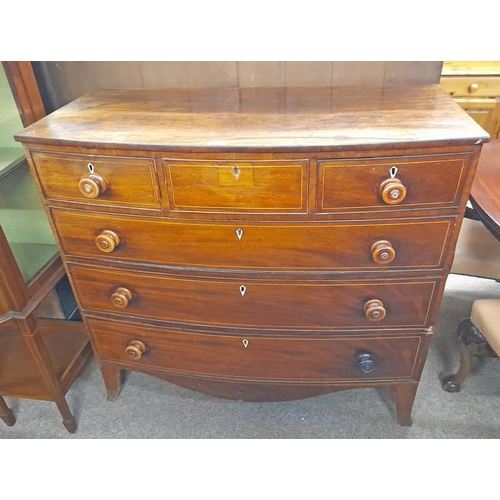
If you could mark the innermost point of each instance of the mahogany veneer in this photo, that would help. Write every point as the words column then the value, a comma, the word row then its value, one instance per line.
column 262, row 244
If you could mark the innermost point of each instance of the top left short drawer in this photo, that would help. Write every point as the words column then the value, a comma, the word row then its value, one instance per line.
column 98, row 180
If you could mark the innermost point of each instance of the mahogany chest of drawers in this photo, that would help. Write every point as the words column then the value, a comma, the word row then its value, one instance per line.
column 259, row 244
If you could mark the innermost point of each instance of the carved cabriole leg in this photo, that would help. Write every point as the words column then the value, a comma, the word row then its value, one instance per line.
column 404, row 395
column 6, row 413
column 472, row 343
column 37, row 347
column 113, row 379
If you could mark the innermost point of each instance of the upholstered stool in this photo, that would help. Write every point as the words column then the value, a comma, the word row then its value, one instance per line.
column 478, row 335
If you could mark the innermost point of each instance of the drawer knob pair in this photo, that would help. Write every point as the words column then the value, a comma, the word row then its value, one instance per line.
column 92, row 185
column 135, row 349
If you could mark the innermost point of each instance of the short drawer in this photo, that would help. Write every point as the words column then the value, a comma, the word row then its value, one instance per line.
column 390, row 183
column 252, row 303
column 237, row 186
column 99, row 180
column 263, row 358
column 468, row 86
column 273, row 246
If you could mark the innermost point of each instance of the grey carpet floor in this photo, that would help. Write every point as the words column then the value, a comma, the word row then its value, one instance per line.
column 152, row 408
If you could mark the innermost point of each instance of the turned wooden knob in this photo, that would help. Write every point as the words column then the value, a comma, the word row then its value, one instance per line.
column 92, row 185
column 107, row 241
column 365, row 363
column 121, row 297
column 473, row 88
column 135, row 349
column 392, row 191
column 383, row 252
column 374, row 310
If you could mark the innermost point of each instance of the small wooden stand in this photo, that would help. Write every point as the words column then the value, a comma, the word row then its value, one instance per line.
column 40, row 358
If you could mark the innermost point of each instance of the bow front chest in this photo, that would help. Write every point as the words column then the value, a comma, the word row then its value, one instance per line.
column 259, row 244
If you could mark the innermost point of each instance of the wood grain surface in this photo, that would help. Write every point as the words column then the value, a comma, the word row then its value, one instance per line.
column 268, row 303
column 420, row 243
column 272, row 119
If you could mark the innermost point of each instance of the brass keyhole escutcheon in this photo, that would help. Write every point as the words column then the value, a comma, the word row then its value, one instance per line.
column 236, row 171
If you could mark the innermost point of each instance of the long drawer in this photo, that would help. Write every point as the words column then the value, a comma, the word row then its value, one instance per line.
column 271, row 246
column 268, row 358
column 232, row 302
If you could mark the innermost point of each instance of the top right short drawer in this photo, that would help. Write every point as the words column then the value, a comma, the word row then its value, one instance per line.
column 381, row 184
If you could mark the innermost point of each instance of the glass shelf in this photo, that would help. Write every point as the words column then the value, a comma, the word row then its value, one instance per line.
column 24, row 222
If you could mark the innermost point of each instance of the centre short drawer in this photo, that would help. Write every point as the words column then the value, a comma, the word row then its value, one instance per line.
column 265, row 358
column 390, row 183
column 266, row 246
column 99, row 180
column 264, row 303
column 237, row 186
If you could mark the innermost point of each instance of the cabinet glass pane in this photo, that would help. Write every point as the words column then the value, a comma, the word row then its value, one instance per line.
column 10, row 123
column 22, row 217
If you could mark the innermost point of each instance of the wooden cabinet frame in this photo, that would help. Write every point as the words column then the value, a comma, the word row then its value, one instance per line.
column 40, row 358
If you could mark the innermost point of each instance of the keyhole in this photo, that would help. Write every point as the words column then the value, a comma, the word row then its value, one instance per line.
column 239, row 233
column 393, row 172
column 243, row 290
column 91, row 168
column 236, row 172
column 245, row 343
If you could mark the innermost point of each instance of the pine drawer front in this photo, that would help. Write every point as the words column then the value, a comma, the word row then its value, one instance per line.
column 390, row 183
column 237, row 186
column 234, row 302
column 99, row 180
column 419, row 244
column 299, row 360
column 468, row 86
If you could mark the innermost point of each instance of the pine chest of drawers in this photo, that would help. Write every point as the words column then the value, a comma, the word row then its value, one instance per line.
column 259, row 244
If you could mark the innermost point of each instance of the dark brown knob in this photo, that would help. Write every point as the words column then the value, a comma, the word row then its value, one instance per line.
column 135, row 349
column 392, row 191
column 92, row 185
column 107, row 241
column 374, row 310
column 121, row 297
column 383, row 252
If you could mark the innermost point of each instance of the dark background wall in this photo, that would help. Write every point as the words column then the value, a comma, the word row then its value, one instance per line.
column 64, row 81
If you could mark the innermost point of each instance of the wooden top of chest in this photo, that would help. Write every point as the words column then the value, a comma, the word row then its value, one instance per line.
column 274, row 119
